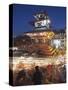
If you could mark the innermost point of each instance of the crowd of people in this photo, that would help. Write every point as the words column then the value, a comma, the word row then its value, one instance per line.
column 49, row 74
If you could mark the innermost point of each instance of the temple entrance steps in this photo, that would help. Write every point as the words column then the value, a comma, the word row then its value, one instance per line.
column 47, row 50
column 43, row 49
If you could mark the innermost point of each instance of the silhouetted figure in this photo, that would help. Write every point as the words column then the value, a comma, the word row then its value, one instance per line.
column 20, row 77
column 37, row 76
column 64, row 73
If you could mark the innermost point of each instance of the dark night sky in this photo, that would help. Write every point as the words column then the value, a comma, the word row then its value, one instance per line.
column 23, row 14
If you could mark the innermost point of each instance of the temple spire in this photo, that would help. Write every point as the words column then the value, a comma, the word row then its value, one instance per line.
column 42, row 21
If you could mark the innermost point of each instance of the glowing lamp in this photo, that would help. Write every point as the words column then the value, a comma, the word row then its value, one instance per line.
column 57, row 43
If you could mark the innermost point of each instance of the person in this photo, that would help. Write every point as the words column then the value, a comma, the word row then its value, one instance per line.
column 64, row 74
column 37, row 76
column 21, row 75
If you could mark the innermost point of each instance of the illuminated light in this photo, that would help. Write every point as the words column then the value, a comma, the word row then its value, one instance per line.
column 48, row 21
column 41, row 33
column 51, row 34
column 34, row 34
column 22, row 57
column 48, row 36
column 28, row 34
column 57, row 43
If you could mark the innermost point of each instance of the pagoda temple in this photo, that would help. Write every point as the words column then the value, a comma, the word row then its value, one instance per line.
column 42, row 32
column 42, row 38
column 41, row 35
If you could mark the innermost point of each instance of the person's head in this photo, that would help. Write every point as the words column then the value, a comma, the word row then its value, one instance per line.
column 37, row 68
